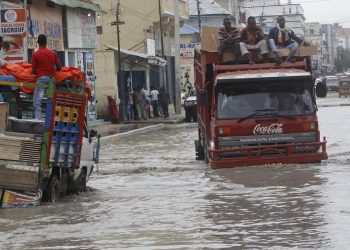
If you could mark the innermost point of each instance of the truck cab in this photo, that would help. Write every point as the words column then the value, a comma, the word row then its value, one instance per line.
column 256, row 114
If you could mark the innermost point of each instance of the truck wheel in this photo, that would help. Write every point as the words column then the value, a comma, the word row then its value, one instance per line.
column 206, row 155
column 82, row 182
column 321, row 90
column 53, row 190
column 195, row 117
column 199, row 150
column 187, row 116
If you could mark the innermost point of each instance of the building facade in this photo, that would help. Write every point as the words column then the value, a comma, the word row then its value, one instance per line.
column 330, row 43
column 313, row 35
column 343, row 38
column 211, row 13
column 267, row 11
column 142, row 50
column 70, row 28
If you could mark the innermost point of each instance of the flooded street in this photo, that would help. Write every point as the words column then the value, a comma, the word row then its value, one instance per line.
column 151, row 193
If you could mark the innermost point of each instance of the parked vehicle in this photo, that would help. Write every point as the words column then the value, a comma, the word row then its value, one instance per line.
column 256, row 114
column 332, row 83
column 47, row 159
column 190, row 105
column 344, row 87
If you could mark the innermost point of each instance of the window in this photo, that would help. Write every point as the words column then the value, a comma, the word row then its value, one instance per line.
column 268, row 100
column 71, row 59
column 312, row 32
column 99, row 30
column 50, row 4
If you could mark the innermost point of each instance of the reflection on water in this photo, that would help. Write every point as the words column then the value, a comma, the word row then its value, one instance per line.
column 266, row 207
column 151, row 193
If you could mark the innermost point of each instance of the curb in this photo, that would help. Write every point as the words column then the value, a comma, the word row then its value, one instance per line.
column 333, row 105
column 134, row 131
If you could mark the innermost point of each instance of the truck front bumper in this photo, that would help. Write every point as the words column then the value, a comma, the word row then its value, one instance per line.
column 264, row 155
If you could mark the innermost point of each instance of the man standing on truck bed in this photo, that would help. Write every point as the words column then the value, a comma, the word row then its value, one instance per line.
column 281, row 37
column 229, row 39
column 253, row 38
column 44, row 62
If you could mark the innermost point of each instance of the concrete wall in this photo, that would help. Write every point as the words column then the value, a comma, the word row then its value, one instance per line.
column 141, row 19
column 106, row 80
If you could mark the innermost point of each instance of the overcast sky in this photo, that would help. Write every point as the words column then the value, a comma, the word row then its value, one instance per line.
column 327, row 11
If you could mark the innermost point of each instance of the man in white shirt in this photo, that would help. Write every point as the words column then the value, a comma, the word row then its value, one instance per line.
column 154, row 101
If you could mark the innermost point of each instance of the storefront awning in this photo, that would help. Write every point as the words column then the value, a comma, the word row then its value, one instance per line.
column 78, row 4
column 153, row 60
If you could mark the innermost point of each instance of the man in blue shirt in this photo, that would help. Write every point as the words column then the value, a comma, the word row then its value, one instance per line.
column 282, row 37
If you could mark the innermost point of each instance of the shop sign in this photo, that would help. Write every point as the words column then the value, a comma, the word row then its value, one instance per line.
column 47, row 21
column 81, row 30
column 13, row 33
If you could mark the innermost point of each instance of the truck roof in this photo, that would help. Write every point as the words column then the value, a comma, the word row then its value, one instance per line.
column 259, row 74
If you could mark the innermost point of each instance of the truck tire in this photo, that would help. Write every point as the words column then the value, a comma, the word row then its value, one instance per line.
column 206, row 159
column 82, row 182
column 199, row 150
column 321, row 90
column 194, row 117
column 187, row 116
column 53, row 190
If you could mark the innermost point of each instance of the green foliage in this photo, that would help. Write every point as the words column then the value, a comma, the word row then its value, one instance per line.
column 342, row 62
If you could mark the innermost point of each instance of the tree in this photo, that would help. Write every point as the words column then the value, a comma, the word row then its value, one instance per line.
column 342, row 62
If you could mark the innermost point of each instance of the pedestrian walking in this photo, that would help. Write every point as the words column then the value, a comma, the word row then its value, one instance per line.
column 154, row 101
column 164, row 100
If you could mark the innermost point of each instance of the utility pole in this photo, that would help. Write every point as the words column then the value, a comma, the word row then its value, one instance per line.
column 177, row 58
column 161, row 28
column 199, row 17
column 236, row 13
column 121, row 87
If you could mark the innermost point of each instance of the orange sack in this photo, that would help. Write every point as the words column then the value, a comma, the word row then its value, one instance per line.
column 23, row 73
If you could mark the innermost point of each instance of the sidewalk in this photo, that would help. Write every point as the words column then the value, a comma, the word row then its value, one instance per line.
column 106, row 128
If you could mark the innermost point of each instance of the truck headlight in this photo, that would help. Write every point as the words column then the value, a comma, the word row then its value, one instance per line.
column 211, row 144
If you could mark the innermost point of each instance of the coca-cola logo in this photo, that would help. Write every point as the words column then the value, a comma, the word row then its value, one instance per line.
column 274, row 128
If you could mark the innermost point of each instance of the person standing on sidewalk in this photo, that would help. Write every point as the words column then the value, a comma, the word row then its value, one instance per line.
column 154, row 101
column 164, row 100
column 136, row 101
column 146, row 99
column 44, row 63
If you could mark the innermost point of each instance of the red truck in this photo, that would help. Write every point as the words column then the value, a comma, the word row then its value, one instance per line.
column 256, row 114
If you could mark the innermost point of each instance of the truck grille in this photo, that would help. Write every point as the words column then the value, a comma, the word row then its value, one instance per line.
column 237, row 142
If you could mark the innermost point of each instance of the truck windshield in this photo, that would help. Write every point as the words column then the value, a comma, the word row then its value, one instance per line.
column 261, row 100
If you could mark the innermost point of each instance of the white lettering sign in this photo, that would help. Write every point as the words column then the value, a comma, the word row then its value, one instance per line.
column 274, row 128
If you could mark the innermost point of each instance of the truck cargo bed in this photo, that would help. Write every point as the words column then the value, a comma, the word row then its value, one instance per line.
column 18, row 177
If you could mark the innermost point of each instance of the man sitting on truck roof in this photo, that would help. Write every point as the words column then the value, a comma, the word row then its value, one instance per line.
column 44, row 62
column 253, row 38
column 281, row 37
column 229, row 39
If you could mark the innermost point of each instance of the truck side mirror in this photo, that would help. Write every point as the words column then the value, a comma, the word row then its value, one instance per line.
column 203, row 98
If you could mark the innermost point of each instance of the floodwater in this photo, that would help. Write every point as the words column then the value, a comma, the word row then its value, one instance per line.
column 150, row 193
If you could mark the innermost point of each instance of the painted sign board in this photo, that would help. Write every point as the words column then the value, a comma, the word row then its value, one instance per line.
column 81, row 29
column 13, row 31
column 48, row 21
